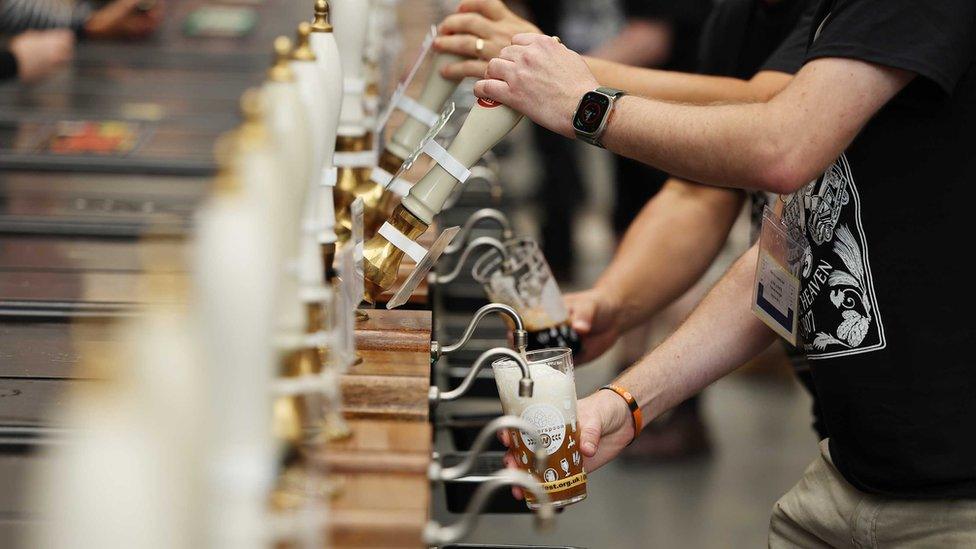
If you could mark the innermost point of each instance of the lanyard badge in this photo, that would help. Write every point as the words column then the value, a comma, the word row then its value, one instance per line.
column 776, row 292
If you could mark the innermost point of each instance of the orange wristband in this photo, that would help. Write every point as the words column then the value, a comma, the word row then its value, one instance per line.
column 635, row 410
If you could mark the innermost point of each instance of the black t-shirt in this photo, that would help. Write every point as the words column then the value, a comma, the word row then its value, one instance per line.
column 886, row 299
column 743, row 37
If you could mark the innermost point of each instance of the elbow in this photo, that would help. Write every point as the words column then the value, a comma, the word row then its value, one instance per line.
column 785, row 169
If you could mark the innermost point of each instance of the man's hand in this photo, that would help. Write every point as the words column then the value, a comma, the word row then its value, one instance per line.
column 595, row 317
column 606, row 427
column 123, row 19
column 488, row 20
column 39, row 53
column 540, row 78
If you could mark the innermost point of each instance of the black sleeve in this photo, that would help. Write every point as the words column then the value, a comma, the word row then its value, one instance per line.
column 681, row 11
column 790, row 56
column 932, row 38
column 8, row 65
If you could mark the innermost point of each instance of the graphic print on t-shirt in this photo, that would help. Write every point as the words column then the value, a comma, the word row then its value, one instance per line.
column 839, row 313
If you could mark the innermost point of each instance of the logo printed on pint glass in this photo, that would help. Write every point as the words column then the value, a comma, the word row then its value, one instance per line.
column 550, row 423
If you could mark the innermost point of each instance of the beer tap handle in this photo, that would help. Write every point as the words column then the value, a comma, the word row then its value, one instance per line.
column 437, row 534
column 437, row 90
column 480, row 242
column 484, row 214
column 435, row 396
column 481, row 442
column 521, row 336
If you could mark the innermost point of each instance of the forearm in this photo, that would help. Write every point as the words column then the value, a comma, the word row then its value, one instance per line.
column 668, row 248
column 681, row 87
column 719, row 336
column 727, row 145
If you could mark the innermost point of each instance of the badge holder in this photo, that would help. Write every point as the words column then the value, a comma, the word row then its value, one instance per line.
column 776, row 291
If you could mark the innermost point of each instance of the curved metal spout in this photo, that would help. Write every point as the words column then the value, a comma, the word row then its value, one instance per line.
column 484, row 214
column 520, row 335
column 437, row 534
column 480, row 242
column 525, row 384
column 437, row 473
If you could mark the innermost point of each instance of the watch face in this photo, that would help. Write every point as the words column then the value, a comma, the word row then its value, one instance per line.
column 591, row 111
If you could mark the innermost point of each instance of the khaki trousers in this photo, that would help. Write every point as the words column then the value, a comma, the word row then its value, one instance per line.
column 823, row 510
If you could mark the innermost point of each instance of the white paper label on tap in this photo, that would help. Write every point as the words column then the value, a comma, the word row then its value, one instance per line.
column 415, row 110
column 399, row 187
column 450, row 164
column 386, row 180
column 415, row 251
column 381, row 177
column 401, row 88
column 358, row 159
column 330, row 175
column 301, row 385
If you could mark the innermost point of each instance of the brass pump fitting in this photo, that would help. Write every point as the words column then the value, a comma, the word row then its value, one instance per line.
column 381, row 259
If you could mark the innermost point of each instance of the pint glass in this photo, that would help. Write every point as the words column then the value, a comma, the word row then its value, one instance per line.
column 552, row 410
column 524, row 282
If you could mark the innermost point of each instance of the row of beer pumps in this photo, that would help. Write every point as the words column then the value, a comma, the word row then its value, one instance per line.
column 277, row 282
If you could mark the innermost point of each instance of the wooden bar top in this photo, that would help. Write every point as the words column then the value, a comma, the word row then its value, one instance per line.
column 384, row 494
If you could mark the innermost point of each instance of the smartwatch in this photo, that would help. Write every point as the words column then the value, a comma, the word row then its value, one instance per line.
column 593, row 113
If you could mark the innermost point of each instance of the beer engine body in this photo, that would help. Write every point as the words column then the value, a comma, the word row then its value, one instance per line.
column 437, row 90
column 326, row 51
column 287, row 124
column 487, row 123
column 351, row 19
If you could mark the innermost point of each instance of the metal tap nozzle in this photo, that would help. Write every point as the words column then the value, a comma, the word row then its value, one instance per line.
column 484, row 214
column 435, row 396
column 439, row 473
column 480, row 242
column 438, row 534
column 521, row 336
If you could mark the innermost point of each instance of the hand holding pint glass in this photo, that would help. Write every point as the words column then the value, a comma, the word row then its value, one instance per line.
column 552, row 410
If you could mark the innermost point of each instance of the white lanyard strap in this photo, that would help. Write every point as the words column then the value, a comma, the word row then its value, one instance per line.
column 450, row 164
column 400, row 240
column 417, row 111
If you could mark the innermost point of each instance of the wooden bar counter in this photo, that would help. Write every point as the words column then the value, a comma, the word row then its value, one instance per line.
column 381, row 470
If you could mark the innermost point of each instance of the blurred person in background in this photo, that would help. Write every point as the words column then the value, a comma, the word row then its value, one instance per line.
column 32, row 55
column 116, row 19
column 44, row 31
